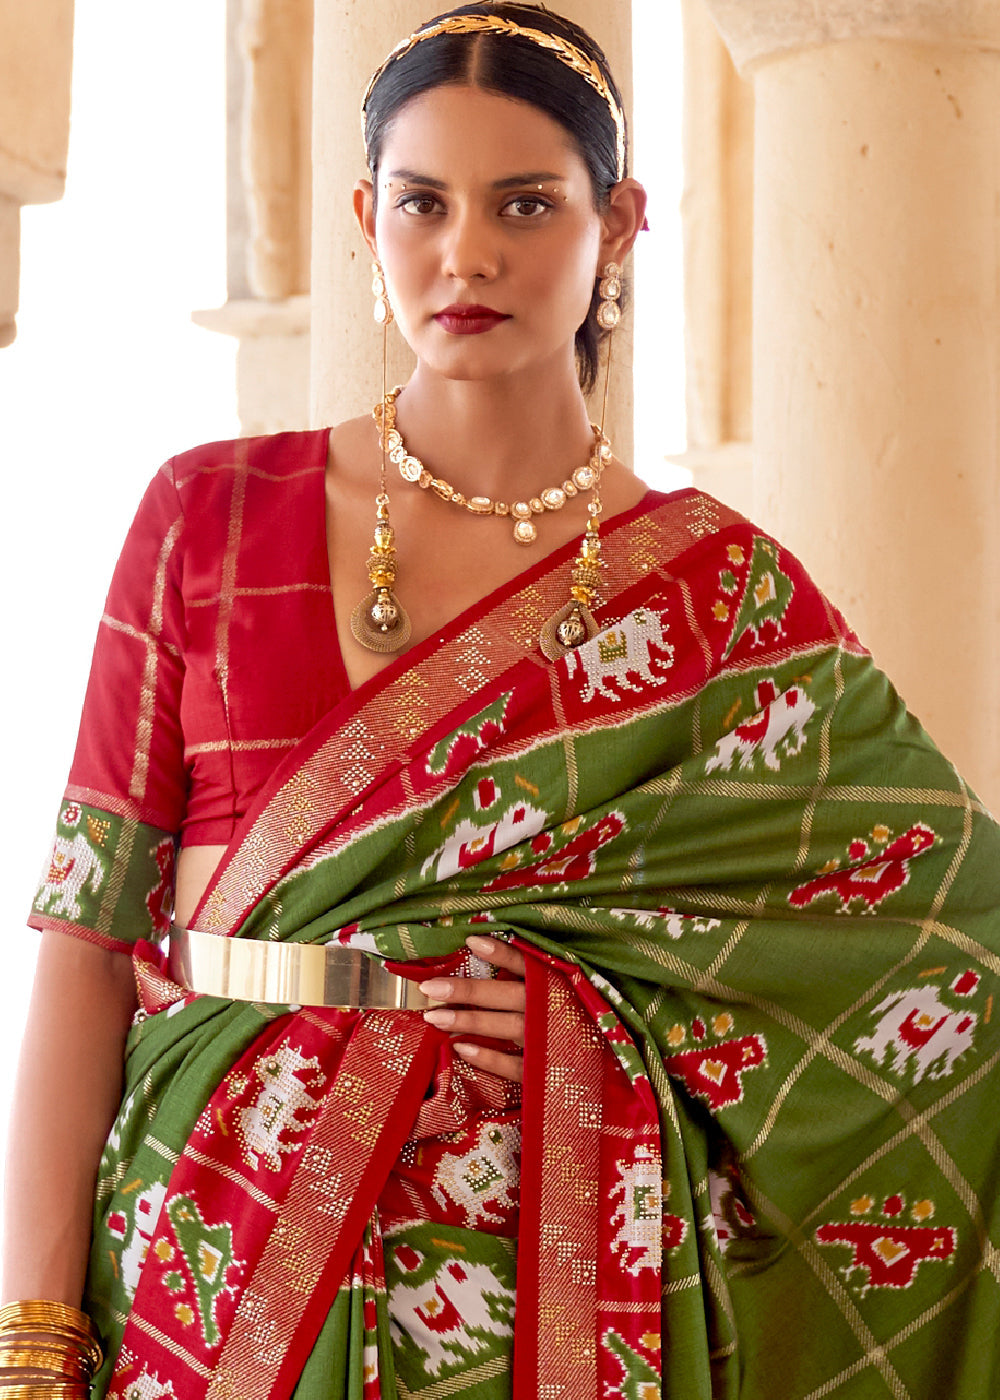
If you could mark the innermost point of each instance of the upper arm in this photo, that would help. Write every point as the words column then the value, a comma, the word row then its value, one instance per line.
column 110, row 875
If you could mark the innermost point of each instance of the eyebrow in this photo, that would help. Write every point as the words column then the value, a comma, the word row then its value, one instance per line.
column 509, row 182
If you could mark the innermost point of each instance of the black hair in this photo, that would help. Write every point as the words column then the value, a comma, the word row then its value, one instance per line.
column 519, row 68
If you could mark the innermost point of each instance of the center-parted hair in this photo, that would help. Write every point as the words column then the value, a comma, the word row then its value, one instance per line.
column 516, row 67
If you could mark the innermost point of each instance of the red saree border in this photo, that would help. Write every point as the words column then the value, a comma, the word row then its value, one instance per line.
column 582, row 1114
column 344, row 1167
column 555, row 1327
column 450, row 674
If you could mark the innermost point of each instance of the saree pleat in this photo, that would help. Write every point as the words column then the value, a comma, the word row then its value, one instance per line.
column 759, row 912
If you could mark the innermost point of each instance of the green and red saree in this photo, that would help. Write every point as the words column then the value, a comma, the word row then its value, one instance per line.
column 760, row 916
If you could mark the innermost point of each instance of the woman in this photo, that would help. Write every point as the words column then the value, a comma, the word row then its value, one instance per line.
column 744, row 915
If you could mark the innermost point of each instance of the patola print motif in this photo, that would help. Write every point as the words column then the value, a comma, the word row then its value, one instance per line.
column 925, row 1030
column 93, row 854
column 761, row 968
column 875, row 868
column 888, row 1245
column 714, row 1069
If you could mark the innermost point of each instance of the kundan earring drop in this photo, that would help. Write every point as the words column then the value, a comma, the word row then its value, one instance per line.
column 379, row 622
column 383, row 310
column 574, row 622
column 609, row 313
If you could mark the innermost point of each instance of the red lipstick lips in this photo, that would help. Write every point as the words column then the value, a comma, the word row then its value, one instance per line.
column 463, row 319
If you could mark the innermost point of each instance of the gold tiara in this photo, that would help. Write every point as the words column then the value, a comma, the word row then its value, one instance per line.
column 566, row 52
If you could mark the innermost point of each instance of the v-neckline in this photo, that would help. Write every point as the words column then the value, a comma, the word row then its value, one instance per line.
column 520, row 580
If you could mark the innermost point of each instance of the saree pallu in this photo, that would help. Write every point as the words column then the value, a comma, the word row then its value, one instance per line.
column 759, row 912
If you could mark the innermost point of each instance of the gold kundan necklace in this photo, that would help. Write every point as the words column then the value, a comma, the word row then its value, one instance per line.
column 380, row 623
column 585, row 478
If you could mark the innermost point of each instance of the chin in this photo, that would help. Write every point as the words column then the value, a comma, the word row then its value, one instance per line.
column 470, row 364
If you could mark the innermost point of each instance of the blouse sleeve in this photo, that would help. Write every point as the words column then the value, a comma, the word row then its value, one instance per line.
column 110, row 875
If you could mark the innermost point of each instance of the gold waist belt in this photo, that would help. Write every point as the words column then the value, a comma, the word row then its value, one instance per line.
column 291, row 974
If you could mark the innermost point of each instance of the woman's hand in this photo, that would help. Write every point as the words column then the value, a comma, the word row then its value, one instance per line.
column 496, row 1008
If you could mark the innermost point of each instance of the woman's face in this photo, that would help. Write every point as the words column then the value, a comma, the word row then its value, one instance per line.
column 486, row 229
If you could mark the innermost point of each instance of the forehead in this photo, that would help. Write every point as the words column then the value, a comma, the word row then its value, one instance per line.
column 460, row 132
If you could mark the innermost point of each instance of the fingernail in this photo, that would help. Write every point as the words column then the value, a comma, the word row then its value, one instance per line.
column 440, row 1018
column 437, row 988
column 479, row 944
column 468, row 1052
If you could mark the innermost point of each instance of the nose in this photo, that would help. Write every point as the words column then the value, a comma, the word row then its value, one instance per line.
column 471, row 247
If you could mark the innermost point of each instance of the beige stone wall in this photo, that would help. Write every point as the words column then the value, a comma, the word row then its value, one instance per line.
column 269, row 211
column 877, row 333
column 36, row 58
column 276, row 40
column 717, row 216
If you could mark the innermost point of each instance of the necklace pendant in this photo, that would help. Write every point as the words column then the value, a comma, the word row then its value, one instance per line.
column 569, row 627
column 380, row 623
column 525, row 531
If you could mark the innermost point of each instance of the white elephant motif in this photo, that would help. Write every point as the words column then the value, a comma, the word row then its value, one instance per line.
column 638, row 1213
column 621, row 651
column 486, row 1176
column 917, row 1029
column 148, row 1386
column 73, row 865
column 283, row 1097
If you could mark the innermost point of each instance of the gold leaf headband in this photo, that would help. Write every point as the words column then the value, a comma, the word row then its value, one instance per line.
column 566, row 52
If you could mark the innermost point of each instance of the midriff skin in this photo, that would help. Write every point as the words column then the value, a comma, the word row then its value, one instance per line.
column 195, row 867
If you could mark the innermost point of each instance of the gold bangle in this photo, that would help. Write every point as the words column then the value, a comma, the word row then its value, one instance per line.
column 54, row 1321
column 60, row 1362
column 48, row 1341
column 84, row 1357
column 32, row 1314
column 45, row 1390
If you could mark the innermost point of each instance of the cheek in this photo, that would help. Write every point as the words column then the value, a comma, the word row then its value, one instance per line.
column 575, row 280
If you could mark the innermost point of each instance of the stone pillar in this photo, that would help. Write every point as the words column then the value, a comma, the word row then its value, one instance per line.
column 350, row 44
column 269, row 80
column 877, row 332
column 36, row 64
column 717, row 217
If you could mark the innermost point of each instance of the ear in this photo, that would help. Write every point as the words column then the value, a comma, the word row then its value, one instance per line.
column 621, row 220
column 364, row 211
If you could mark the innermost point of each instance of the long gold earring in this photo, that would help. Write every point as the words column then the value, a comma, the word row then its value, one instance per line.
column 379, row 622
column 609, row 313
column 383, row 310
column 573, row 623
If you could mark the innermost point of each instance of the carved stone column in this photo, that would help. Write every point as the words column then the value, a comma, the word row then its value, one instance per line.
column 36, row 61
column 350, row 44
column 269, row 211
column 877, row 332
column 717, row 216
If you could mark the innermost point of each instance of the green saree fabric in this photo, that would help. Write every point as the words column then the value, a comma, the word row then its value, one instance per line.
column 760, row 916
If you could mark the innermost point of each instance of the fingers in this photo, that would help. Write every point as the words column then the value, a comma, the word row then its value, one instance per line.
column 493, row 1061
column 503, row 994
column 498, row 1025
column 481, row 1006
column 500, row 954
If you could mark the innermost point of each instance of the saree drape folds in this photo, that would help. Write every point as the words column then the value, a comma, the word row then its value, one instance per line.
column 760, row 917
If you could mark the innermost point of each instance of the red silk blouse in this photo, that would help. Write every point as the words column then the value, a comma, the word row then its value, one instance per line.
column 216, row 653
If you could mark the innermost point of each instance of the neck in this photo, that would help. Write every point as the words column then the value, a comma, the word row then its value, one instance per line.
column 506, row 437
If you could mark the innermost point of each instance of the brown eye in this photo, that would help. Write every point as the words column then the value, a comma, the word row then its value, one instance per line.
column 418, row 204
column 527, row 206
